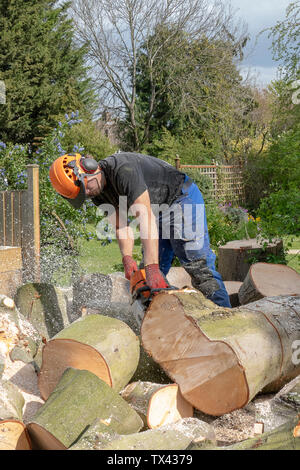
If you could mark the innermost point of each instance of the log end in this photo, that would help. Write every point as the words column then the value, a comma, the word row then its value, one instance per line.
column 13, row 436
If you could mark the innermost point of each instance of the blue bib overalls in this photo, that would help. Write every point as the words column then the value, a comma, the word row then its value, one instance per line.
column 188, row 239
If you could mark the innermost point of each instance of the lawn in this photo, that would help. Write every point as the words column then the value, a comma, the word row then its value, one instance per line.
column 106, row 259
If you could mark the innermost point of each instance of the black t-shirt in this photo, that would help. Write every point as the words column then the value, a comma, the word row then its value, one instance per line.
column 131, row 174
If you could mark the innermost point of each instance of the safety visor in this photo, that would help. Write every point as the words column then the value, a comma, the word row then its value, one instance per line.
column 81, row 196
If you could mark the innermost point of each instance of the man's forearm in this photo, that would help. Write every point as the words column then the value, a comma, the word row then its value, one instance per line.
column 125, row 240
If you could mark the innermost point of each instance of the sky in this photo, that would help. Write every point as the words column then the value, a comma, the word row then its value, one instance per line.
column 260, row 14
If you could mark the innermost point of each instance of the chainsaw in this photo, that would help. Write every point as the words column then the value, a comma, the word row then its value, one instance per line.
column 142, row 295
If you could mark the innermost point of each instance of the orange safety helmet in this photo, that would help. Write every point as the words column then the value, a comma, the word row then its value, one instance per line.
column 67, row 175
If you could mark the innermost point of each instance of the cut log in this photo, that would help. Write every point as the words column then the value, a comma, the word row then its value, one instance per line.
column 104, row 294
column 268, row 280
column 13, row 435
column 79, row 398
column 18, row 338
column 220, row 357
column 45, row 306
column 232, row 288
column 103, row 345
column 234, row 258
column 175, row 436
column 157, row 404
column 281, row 408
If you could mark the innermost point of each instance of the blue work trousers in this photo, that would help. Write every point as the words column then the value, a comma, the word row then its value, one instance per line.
column 183, row 233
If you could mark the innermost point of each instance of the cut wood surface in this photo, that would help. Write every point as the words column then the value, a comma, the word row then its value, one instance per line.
column 13, row 435
column 157, row 404
column 45, row 306
column 103, row 345
column 79, row 398
column 268, row 280
column 175, row 436
column 233, row 258
column 206, row 349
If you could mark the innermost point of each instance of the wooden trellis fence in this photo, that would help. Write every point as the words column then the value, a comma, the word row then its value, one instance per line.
column 227, row 180
column 20, row 232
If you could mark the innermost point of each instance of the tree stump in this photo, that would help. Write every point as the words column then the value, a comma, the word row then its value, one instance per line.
column 175, row 436
column 233, row 258
column 13, row 434
column 79, row 398
column 178, row 277
column 268, row 280
column 103, row 345
column 221, row 357
column 157, row 404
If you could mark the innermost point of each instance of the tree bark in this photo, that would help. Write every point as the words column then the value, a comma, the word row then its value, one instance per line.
column 221, row 358
column 268, row 280
column 234, row 257
column 157, row 404
column 148, row 370
column 175, row 436
column 103, row 345
column 79, row 398
column 13, row 435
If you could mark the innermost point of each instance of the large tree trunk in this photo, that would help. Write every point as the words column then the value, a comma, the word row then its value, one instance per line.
column 45, row 306
column 175, row 436
column 157, row 404
column 79, row 398
column 268, row 280
column 103, row 345
column 221, row 358
column 234, row 257
column 13, row 435
column 148, row 370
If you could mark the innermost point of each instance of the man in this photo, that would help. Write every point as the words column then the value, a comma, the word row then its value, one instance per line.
column 167, row 202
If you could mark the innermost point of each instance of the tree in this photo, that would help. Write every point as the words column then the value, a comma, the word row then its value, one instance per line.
column 43, row 71
column 116, row 31
column 198, row 89
column 286, row 44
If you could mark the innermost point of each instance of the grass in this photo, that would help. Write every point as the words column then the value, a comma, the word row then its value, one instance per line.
column 106, row 259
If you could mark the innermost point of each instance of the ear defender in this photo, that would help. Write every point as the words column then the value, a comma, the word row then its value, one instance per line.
column 89, row 165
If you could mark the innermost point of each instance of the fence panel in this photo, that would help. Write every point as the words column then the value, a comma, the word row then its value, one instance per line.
column 20, row 223
column 227, row 180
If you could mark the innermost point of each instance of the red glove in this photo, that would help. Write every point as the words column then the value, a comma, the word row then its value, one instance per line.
column 155, row 278
column 129, row 266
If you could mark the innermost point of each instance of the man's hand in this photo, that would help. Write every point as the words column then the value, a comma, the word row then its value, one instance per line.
column 154, row 277
column 129, row 266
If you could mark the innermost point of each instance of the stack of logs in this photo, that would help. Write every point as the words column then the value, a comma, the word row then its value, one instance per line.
column 107, row 385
